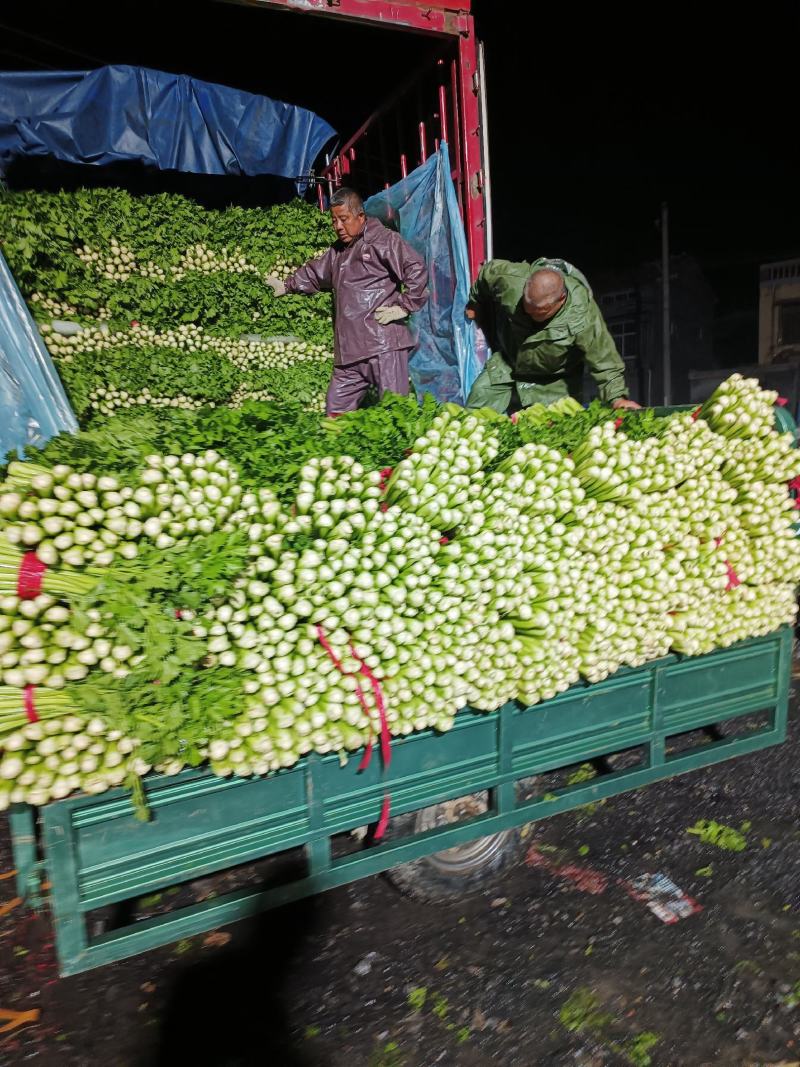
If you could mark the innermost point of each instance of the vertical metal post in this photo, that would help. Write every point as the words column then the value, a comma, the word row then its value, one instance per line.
column 505, row 793
column 22, row 822
column 456, row 155
column 399, row 135
column 423, row 143
column 443, row 111
column 69, row 920
column 403, row 166
column 665, row 309
column 318, row 847
column 384, row 154
column 487, row 183
column 475, row 219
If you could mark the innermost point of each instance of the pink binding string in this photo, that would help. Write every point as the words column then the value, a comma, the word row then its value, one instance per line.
column 30, row 576
column 30, row 708
column 386, row 751
column 359, row 691
column 733, row 577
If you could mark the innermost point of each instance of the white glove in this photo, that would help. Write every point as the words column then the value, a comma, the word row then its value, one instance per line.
column 276, row 285
column 385, row 315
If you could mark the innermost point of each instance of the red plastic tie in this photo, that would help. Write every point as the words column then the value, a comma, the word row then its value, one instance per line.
column 30, row 576
column 366, row 759
column 696, row 413
column 733, row 577
column 617, row 422
column 794, row 484
column 348, row 674
column 781, row 402
column 383, row 822
column 383, row 484
column 30, row 708
column 386, row 750
column 515, row 417
column 385, row 737
column 332, row 655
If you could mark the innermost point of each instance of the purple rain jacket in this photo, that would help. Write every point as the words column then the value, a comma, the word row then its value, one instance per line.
column 365, row 275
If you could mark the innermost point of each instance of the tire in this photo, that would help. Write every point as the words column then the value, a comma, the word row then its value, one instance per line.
column 458, row 871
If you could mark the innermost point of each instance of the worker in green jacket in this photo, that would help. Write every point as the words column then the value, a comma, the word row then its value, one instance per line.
column 542, row 325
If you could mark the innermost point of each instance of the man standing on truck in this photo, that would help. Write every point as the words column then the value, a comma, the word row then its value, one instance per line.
column 543, row 325
column 378, row 280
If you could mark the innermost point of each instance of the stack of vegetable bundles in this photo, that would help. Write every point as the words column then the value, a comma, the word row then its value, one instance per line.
column 154, row 302
column 166, row 603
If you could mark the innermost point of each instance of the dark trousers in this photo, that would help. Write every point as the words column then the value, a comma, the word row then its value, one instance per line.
column 388, row 373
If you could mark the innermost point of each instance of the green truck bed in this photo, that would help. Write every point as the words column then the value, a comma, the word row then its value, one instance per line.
column 94, row 852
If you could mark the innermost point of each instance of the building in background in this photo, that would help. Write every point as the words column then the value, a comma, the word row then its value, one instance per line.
column 631, row 302
column 779, row 312
column 777, row 348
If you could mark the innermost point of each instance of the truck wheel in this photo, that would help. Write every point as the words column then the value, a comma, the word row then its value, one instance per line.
column 465, row 868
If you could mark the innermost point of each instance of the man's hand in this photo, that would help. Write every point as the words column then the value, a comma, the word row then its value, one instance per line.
column 385, row 315
column 621, row 402
column 276, row 285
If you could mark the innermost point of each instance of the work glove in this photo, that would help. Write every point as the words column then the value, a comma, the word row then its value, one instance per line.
column 276, row 285
column 386, row 315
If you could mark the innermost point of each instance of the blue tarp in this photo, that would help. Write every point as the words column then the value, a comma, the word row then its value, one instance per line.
column 424, row 210
column 33, row 404
column 170, row 121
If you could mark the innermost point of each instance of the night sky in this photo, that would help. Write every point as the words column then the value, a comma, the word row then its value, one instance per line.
column 595, row 116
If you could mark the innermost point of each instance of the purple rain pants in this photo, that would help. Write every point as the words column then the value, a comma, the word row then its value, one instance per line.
column 389, row 372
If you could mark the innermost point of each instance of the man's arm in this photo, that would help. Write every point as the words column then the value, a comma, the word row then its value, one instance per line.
column 313, row 276
column 480, row 296
column 605, row 364
column 408, row 267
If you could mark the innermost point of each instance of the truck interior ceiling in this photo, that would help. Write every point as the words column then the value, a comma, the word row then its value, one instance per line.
column 391, row 86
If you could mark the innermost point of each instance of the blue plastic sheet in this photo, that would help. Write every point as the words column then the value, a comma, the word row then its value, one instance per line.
column 424, row 210
column 33, row 404
column 170, row 121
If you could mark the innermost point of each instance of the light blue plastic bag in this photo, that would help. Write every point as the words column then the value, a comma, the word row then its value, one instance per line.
column 33, row 404
column 424, row 210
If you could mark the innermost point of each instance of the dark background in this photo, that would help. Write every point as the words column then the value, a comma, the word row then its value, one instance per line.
column 596, row 116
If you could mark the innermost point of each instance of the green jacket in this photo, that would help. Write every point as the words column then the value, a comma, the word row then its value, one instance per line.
column 545, row 362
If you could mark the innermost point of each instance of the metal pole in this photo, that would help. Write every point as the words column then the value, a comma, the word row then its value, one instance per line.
column 487, row 183
column 665, row 312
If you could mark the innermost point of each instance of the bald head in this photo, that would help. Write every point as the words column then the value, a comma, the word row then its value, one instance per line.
column 545, row 294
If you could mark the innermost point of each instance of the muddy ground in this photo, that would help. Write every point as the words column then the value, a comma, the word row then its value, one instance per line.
column 556, row 963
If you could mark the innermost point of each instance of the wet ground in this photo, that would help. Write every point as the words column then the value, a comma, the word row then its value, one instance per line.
column 557, row 963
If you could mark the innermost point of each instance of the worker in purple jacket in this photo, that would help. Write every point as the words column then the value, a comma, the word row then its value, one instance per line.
column 365, row 268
